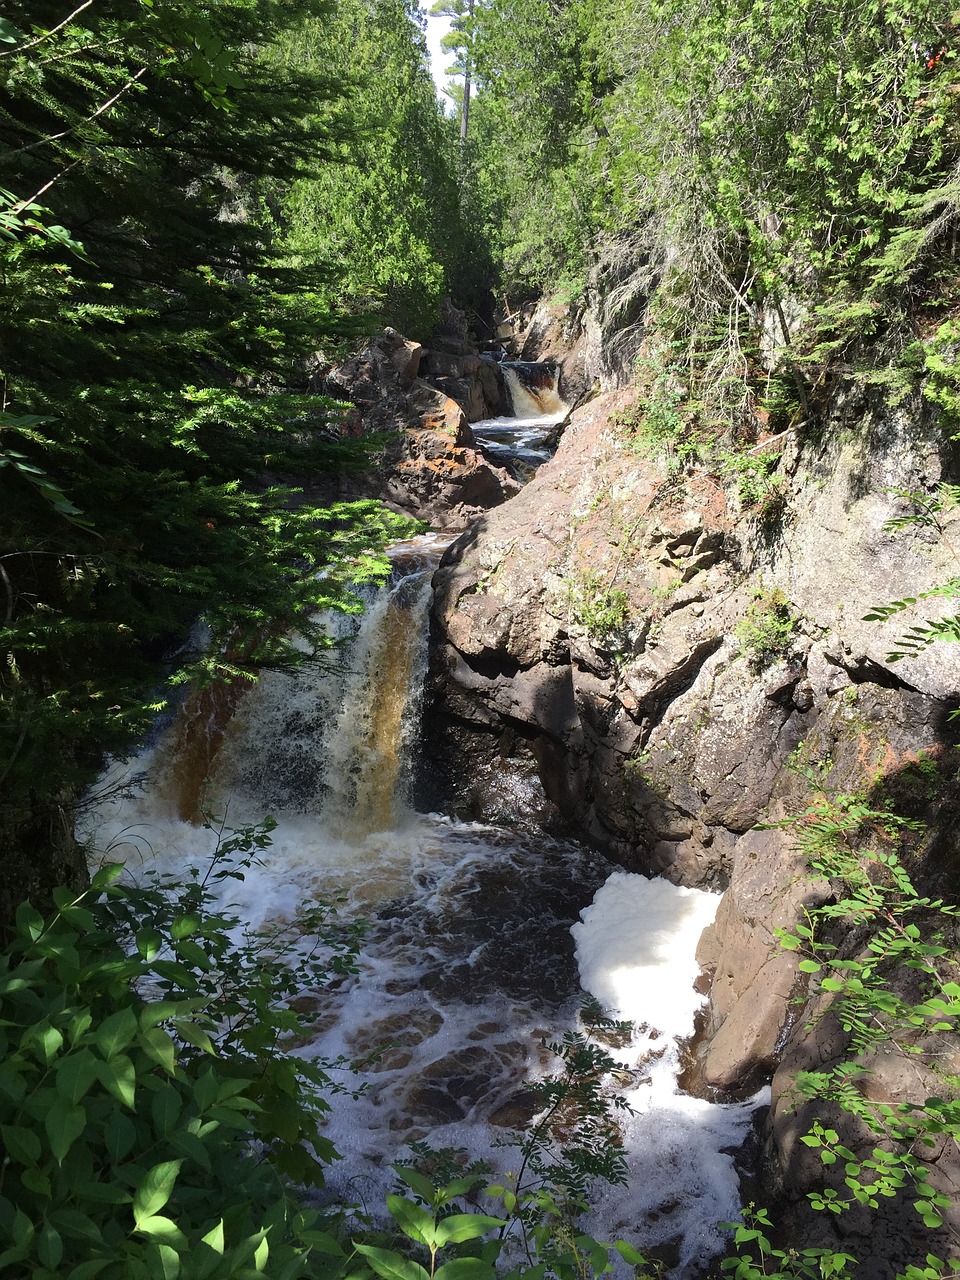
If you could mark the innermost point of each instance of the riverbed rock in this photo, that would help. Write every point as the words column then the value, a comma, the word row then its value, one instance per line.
column 427, row 464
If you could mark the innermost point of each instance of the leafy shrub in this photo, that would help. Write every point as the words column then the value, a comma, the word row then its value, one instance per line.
column 150, row 1117
column 600, row 608
column 853, row 845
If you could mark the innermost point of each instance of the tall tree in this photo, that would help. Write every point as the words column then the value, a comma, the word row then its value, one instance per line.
column 150, row 361
column 458, row 41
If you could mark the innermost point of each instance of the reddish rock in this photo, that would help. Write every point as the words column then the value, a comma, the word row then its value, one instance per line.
column 429, row 465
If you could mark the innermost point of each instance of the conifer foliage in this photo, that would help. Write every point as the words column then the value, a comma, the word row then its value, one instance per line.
column 150, row 342
column 388, row 213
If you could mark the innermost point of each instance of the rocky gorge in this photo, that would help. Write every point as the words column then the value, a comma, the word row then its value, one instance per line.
column 668, row 663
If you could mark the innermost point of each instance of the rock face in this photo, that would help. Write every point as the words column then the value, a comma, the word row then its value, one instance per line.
column 640, row 656
column 428, row 464
column 596, row 342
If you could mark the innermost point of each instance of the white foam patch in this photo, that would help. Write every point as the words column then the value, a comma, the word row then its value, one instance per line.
column 507, row 424
column 636, row 950
column 526, row 440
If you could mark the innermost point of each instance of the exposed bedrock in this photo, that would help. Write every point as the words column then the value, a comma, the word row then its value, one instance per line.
column 629, row 653
column 427, row 463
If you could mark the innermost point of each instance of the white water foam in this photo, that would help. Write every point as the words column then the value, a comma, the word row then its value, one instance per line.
column 636, row 950
column 525, row 440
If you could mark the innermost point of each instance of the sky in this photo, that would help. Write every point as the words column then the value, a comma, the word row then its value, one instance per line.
column 436, row 30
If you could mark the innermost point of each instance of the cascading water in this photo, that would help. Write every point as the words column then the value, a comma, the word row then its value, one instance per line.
column 469, row 960
column 533, row 388
column 528, row 438
column 331, row 742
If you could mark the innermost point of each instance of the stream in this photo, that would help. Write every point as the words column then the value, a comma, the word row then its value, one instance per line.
column 480, row 942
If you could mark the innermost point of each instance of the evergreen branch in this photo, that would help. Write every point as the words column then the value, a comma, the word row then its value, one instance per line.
column 47, row 34
column 65, row 133
column 84, row 48
column 22, row 205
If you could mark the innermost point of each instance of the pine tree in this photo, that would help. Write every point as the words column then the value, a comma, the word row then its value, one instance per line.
column 151, row 338
column 458, row 41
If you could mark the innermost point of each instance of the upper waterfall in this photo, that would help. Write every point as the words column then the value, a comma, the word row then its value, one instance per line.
column 534, row 388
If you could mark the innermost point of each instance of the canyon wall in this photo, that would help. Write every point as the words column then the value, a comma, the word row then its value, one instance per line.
column 661, row 657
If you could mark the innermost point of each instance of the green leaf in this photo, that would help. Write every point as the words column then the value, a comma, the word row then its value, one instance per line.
column 48, row 1038
column 194, row 955
column 36, row 1180
column 215, row 1238
column 155, row 1189
column 64, row 1125
column 116, row 1032
column 193, row 1146
column 49, row 1246
column 29, row 921
column 21, row 1144
column 160, row 1228
column 9, row 34
column 465, row 1269
column 461, row 1186
column 149, row 942
column 106, row 876
column 465, row 1226
column 413, row 1220
column 163, row 1010
column 119, row 1076
column 22, row 1230
column 75, row 1074
column 194, row 1035
column 106, row 1193
column 120, row 1135
column 159, row 1048
column 17, row 1254
column 89, row 1270
column 76, row 1225
column 629, row 1254
column 390, row 1265
column 184, row 926
column 416, row 1181
column 261, row 1254
column 165, row 1109
column 169, row 1261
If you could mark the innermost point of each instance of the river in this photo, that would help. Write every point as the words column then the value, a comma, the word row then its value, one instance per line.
column 480, row 942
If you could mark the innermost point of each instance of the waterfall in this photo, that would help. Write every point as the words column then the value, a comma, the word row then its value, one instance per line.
column 533, row 388
column 333, row 741
column 526, row 440
column 470, row 959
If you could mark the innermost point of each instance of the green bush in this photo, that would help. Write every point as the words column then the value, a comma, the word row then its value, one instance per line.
column 600, row 608
column 766, row 630
column 151, row 1119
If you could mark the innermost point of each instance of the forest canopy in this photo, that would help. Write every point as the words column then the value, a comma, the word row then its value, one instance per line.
column 194, row 199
